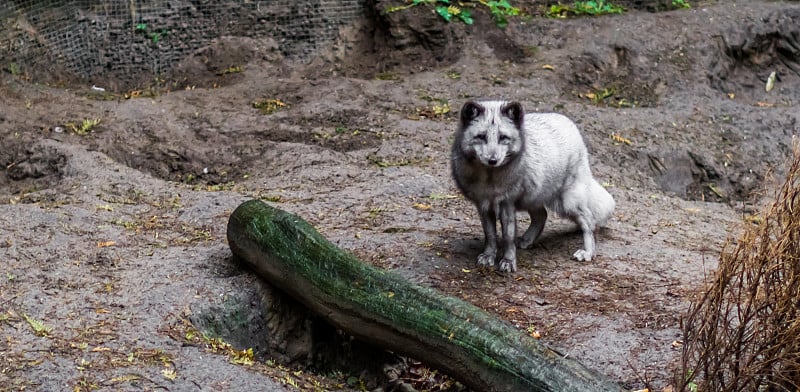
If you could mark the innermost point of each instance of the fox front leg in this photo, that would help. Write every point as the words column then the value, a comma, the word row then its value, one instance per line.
column 508, row 225
column 489, row 223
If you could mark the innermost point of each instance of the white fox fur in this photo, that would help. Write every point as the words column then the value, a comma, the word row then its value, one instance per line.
column 504, row 160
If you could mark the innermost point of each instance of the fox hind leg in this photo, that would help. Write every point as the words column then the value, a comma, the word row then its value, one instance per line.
column 587, row 225
column 538, row 219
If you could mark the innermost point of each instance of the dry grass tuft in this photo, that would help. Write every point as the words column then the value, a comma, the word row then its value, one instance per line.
column 743, row 334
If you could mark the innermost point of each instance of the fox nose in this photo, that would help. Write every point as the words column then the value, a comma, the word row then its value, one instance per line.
column 492, row 161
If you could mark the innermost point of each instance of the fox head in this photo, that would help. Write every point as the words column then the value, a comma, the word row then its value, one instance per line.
column 491, row 131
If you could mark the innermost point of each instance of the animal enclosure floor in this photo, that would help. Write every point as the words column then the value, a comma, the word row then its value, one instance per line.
column 112, row 240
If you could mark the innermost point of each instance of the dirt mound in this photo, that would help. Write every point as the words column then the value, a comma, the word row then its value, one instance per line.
column 612, row 78
column 221, row 62
column 29, row 168
column 751, row 52
column 385, row 41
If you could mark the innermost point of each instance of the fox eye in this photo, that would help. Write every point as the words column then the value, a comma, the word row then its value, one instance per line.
column 481, row 137
column 504, row 139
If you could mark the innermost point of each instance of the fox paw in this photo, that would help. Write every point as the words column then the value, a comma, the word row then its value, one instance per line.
column 485, row 260
column 522, row 243
column 507, row 265
column 582, row 255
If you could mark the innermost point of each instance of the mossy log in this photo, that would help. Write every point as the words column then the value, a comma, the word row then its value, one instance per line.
column 382, row 308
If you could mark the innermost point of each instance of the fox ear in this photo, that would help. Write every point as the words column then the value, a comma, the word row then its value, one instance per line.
column 470, row 111
column 513, row 110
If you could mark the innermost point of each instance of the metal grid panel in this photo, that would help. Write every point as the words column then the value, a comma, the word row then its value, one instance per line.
column 98, row 37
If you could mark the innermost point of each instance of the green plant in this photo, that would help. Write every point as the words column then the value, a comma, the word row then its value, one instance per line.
column 455, row 75
column 39, row 328
column 155, row 36
column 500, row 10
column 681, row 4
column 14, row 69
column 387, row 76
column 269, row 106
column 442, row 7
column 84, row 127
column 590, row 7
column 231, row 70
column 450, row 11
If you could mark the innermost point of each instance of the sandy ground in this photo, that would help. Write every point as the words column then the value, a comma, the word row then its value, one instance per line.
column 113, row 242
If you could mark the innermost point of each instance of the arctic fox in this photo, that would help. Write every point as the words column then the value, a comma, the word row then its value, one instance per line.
column 504, row 160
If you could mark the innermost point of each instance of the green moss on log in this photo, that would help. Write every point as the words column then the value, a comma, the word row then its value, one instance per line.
column 385, row 309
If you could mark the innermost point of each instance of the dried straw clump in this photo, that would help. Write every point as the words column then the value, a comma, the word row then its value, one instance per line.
column 743, row 334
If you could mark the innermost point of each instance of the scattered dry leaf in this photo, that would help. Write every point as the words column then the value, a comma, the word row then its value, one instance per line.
column 269, row 106
column 754, row 219
column 105, row 244
column 771, row 81
column 169, row 374
column 422, row 206
column 620, row 139
column 126, row 378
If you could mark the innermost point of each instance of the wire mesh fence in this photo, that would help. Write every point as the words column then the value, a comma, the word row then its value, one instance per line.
column 91, row 38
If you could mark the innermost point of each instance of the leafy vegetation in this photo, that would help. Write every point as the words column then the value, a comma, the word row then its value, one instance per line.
column 84, row 127
column 231, row 70
column 39, row 328
column 13, row 68
column 598, row 7
column 387, row 76
column 269, row 106
column 154, row 36
column 500, row 10
column 579, row 8
column 681, row 4
column 438, row 109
